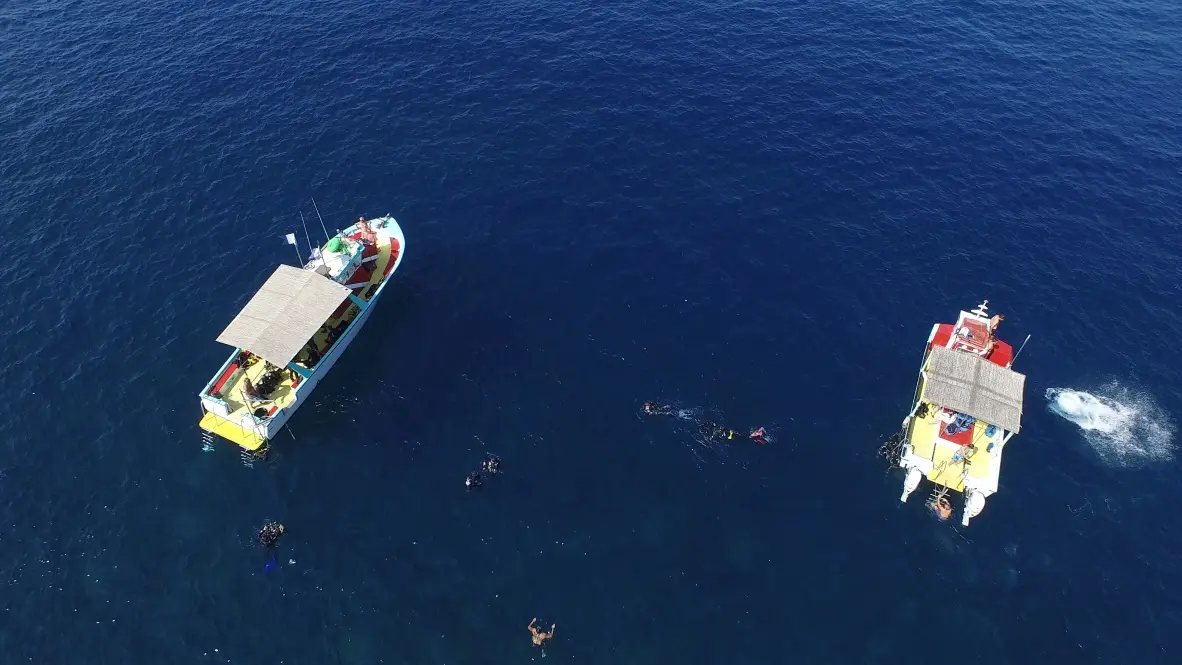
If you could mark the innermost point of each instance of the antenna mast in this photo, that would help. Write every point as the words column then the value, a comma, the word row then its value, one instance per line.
column 311, row 250
column 322, row 227
column 1019, row 350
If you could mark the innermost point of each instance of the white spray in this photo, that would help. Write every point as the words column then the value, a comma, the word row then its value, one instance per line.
column 1124, row 427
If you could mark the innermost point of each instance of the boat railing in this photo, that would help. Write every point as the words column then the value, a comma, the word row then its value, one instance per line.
column 218, row 374
column 212, row 399
column 334, row 339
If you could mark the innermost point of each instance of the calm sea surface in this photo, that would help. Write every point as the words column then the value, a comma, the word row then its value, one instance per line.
column 753, row 209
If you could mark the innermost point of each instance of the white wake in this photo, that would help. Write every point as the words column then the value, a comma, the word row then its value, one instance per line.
column 1124, row 427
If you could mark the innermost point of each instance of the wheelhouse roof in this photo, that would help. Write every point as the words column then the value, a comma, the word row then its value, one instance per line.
column 972, row 385
column 284, row 314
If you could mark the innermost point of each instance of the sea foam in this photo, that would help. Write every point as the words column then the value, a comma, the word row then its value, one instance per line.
column 1124, row 427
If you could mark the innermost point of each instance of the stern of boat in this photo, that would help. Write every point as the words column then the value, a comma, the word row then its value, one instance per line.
column 974, row 503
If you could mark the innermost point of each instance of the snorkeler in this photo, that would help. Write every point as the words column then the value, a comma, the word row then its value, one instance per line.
column 712, row 430
column 491, row 465
column 653, row 409
column 473, row 480
column 715, row 432
column 540, row 636
column 269, row 534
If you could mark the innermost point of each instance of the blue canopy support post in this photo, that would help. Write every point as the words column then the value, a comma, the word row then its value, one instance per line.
column 306, row 373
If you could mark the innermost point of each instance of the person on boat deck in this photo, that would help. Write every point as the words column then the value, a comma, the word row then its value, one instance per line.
column 269, row 534
column 943, row 508
column 492, row 465
column 994, row 322
column 473, row 480
column 990, row 348
column 309, row 355
column 540, row 636
column 652, row 409
column 367, row 235
column 716, row 431
column 250, row 392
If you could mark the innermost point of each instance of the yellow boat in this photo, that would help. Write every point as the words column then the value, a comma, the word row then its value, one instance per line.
column 967, row 407
column 293, row 330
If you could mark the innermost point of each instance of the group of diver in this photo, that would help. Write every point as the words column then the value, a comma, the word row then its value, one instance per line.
column 490, row 466
column 711, row 431
column 269, row 534
column 269, row 539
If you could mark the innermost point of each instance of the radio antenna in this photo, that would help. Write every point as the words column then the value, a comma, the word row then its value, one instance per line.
column 311, row 249
column 322, row 226
column 1019, row 351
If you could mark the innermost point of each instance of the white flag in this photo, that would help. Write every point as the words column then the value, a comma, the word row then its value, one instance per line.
column 291, row 239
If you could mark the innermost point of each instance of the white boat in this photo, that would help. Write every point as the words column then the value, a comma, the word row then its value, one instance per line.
column 967, row 407
column 294, row 329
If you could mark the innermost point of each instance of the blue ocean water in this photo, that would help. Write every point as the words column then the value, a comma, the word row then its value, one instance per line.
column 756, row 209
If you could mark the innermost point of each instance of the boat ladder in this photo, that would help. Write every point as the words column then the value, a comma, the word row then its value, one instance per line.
column 248, row 458
column 939, row 492
column 206, row 440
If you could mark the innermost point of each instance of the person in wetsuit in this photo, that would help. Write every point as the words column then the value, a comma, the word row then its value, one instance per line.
column 473, row 480
column 654, row 409
column 269, row 534
column 715, row 432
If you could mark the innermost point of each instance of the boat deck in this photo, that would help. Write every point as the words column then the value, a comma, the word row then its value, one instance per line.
column 387, row 253
column 929, row 441
column 282, row 396
column 1002, row 356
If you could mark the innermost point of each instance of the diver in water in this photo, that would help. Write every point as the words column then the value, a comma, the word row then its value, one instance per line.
column 715, row 432
column 654, row 409
column 269, row 534
column 491, row 465
column 473, row 480
column 943, row 508
column 539, row 636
